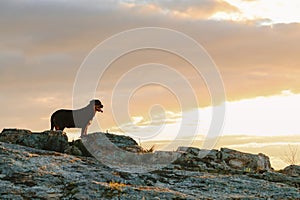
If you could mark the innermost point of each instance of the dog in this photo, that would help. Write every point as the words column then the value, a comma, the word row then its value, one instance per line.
column 80, row 118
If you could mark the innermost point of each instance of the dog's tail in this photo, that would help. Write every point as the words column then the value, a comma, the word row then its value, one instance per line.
column 52, row 123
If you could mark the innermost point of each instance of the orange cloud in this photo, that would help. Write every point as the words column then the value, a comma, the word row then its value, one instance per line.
column 192, row 9
column 41, row 53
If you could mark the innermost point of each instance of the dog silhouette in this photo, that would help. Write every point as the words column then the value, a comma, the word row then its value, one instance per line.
column 80, row 118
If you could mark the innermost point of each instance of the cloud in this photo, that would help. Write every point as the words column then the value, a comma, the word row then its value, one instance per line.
column 279, row 11
column 193, row 9
column 262, row 145
column 43, row 43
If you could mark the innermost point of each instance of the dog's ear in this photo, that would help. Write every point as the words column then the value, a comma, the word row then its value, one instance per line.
column 95, row 102
column 92, row 102
column 98, row 102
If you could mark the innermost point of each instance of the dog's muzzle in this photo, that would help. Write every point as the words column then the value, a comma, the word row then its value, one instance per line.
column 99, row 108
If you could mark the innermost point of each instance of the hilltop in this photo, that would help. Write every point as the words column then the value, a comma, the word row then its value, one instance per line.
column 46, row 166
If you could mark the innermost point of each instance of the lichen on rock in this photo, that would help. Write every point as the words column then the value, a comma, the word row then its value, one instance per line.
column 40, row 169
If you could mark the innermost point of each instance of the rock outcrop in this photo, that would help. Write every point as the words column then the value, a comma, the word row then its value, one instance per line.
column 223, row 160
column 47, row 140
column 58, row 141
column 35, row 172
column 292, row 170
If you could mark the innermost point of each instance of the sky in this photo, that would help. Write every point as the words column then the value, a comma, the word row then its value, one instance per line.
column 253, row 43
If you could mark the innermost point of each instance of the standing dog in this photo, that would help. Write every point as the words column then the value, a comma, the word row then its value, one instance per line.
column 80, row 118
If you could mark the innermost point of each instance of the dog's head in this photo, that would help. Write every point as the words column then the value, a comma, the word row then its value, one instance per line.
column 97, row 105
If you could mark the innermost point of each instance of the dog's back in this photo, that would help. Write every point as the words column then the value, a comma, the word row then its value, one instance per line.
column 61, row 119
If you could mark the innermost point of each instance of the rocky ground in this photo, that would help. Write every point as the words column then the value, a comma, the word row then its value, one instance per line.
column 40, row 166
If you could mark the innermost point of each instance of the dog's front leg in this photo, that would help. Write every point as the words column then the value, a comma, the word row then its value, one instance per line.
column 83, row 131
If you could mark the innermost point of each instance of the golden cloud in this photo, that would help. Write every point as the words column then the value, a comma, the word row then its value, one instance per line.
column 41, row 53
column 193, row 9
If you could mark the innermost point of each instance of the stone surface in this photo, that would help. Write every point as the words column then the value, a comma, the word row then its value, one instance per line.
column 246, row 161
column 47, row 140
column 32, row 173
column 108, row 141
column 58, row 141
column 223, row 160
column 292, row 170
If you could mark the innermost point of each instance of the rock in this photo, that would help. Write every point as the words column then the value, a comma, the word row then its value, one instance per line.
column 47, row 140
column 73, row 150
column 77, row 148
column 263, row 163
column 200, row 153
column 123, row 142
column 223, row 161
column 236, row 163
column 58, row 141
column 105, row 145
column 278, row 178
column 292, row 170
column 32, row 173
column 246, row 161
column 27, row 173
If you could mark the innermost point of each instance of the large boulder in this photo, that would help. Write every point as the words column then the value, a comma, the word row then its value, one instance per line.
column 106, row 139
column 47, row 140
column 292, row 170
column 58, row 141
column 245, row 161
column 222, row 161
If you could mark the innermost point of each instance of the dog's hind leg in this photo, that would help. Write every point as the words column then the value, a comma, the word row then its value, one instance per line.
column 82, row 132
column 52, row 123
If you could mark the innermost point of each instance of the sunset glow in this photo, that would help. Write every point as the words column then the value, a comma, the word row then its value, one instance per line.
column 254, row 45
column 261, row 116
column 269, row 11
